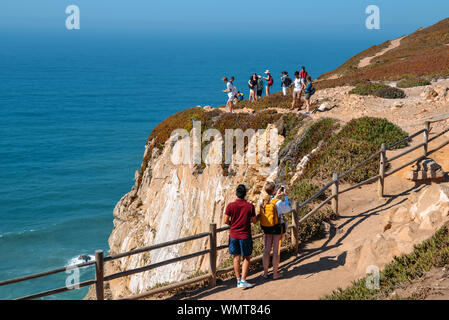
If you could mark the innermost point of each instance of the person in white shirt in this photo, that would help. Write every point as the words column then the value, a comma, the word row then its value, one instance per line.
column 298, row 87
column 231, row 90
column 273, row 235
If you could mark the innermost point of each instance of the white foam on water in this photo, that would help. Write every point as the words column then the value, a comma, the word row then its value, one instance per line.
column 16, row 233
column 77, row 260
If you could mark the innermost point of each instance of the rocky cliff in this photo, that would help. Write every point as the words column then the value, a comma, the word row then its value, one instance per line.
column 170, row 201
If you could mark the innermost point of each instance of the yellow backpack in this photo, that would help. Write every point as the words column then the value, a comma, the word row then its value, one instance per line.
column 269, row 216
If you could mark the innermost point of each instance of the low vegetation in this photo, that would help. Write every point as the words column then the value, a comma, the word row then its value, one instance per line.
column 357, row 140
column 413, row 82
column 423, row 53
column 275, row 100
column 351, row 66
column 405, row 268
column 288, row 126
column 320, row 130
column 378, row 90
column 210, row 119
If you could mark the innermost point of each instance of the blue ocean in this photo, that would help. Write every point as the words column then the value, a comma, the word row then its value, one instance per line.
column 76, row 111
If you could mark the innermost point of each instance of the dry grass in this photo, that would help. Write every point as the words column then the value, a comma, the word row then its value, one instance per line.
column 423, row 53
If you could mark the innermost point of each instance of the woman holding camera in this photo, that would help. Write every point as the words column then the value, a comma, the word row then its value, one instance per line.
column 272, row 208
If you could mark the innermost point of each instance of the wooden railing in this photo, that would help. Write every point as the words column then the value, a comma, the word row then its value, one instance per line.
column 213, row 249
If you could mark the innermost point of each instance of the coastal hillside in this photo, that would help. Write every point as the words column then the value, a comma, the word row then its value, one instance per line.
column 359, row 106
column 424, row 53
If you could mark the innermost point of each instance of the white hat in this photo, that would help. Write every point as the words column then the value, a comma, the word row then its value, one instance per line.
column 267, row 71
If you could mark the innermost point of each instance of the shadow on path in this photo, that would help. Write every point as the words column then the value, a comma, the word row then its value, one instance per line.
column 294, row 268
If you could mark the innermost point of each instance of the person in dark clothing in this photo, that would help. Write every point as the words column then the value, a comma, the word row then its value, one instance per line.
column 239, row 215
column 309, row 91
column 286, row 82
column 252, row 83
column 259, row 87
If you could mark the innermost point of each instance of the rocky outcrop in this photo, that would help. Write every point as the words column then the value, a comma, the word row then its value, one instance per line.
column 425, row 169
column 437, row 93
column 303, row 163
column 172, row 201
column 412, row 223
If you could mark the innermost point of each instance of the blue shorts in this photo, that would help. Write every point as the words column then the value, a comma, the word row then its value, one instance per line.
column 243, row 247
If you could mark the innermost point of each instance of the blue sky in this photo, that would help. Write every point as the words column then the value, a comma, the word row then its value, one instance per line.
column 225, row 18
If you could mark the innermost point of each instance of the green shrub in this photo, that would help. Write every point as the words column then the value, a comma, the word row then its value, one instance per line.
column 367, row 89
column 358, row 140
column 303, row 191
column 291, row 122
column 413, row 82
column 390, row 93
column 373, row 130
column 312, row 227
column 343, row 154
column 378, row 90
column 317, row 131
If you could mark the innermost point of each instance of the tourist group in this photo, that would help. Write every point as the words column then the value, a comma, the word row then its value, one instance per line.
column 302, row 83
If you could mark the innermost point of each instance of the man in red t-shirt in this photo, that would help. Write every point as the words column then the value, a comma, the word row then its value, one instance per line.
column 303, row 74
column 239, row 215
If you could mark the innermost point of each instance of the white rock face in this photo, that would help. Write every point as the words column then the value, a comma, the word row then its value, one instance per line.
column 174, row 201
column 303, row 163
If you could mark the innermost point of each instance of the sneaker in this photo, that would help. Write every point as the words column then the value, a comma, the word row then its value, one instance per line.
column 245, row 284
column 238, row 282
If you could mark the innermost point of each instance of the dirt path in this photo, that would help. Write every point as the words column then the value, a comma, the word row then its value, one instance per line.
column 409, row 113
column 322, row 265
column 367, row 61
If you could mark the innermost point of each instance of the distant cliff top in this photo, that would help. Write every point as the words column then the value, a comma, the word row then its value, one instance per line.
column 425, row 53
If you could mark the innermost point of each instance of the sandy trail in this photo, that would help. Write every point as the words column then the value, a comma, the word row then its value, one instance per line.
column 367, row 61
column 321, row 265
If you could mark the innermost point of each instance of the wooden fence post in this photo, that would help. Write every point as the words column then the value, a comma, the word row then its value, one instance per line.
column 335, row 193
column 295, row 230
column 426, row 138
column 213, row 253
column 99, row 274
column 383, row 157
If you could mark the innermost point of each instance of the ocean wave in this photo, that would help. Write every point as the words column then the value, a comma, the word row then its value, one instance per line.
column 79, row 260
column 17, row 233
